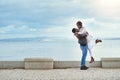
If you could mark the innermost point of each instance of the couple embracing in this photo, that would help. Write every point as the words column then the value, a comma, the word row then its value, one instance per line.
column 84, row 39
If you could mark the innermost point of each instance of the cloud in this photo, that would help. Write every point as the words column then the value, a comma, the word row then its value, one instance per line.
column 12, row 29
column 58, row 17
column 109, row 8
column 47, row 11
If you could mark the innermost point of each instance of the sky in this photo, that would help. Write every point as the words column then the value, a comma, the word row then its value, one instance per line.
column 56, row 18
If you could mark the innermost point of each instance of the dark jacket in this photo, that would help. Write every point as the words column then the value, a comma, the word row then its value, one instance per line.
column 82, row 39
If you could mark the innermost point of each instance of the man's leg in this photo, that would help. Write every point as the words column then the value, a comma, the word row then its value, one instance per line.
column 84, row 54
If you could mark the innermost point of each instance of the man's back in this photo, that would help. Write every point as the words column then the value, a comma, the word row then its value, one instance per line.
column 82, row 39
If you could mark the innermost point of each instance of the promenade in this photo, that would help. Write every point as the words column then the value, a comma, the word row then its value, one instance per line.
column 60, row 74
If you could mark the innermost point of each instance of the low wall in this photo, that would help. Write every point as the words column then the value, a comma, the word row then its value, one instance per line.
column 11, row 64
column 38, row 63
column 57, row 64
column 110, row 62
column 74, row 64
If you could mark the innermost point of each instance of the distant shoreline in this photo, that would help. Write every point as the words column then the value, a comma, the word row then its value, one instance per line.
column 44, row 39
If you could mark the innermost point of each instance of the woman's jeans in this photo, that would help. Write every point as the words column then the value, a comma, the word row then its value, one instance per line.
column 84, row 54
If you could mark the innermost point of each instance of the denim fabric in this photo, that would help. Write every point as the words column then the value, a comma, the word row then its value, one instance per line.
column 84, row 54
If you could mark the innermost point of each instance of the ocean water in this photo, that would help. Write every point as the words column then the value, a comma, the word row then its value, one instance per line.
column 58, row 49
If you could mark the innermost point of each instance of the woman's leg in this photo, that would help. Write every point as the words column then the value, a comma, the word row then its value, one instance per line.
column 90, row 52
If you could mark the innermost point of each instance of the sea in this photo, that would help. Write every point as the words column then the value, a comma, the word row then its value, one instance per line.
column 17, row 49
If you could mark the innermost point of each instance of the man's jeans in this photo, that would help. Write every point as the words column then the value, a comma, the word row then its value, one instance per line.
column 84, row 54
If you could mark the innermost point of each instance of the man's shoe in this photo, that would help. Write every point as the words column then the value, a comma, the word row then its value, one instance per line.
column 84, row 68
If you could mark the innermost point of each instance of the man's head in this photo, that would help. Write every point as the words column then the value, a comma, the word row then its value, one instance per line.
column 79, row 24
column 75, row 31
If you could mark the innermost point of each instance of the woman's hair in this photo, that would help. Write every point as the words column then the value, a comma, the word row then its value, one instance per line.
column 79, row 23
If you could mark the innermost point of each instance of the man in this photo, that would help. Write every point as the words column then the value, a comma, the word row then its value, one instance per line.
column 83, row 45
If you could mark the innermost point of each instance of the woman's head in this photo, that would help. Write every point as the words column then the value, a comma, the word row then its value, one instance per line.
column 79, row 24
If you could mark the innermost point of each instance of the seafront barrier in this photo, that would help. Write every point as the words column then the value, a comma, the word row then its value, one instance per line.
column 44, row 63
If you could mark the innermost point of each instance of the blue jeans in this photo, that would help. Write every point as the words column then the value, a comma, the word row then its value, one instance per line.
column 84, row 54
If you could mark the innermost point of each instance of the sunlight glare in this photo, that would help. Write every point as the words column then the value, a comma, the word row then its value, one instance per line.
column 108, row 7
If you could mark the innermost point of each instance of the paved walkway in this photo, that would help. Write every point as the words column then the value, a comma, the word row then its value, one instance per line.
column 60, row 74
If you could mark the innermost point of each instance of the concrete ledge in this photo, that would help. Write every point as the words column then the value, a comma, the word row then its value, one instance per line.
column 47, row 63
column 38, row 63
column 94, row 64
column 11, row 64
column 55, row 64
column 74, row 64
column 110, row 62
column 110, row 59
column 38, row 59
column 66, row 64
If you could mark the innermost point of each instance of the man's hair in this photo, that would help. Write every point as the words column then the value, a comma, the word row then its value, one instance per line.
column 73, row 30
column 79, row 23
